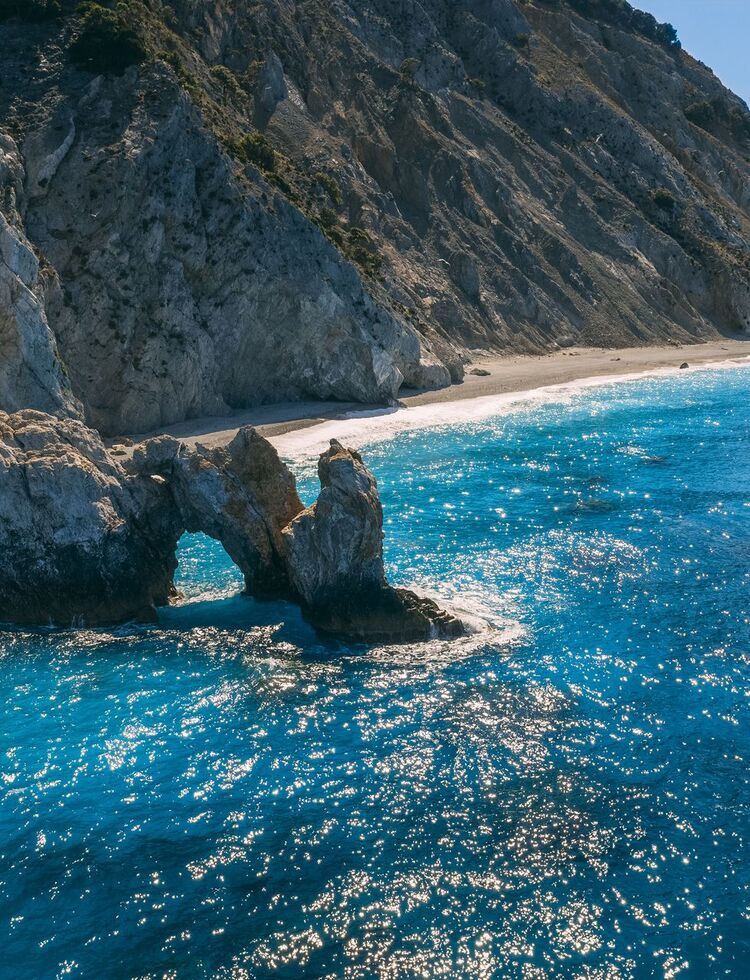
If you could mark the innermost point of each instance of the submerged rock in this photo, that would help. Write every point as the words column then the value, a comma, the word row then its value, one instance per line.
column 87, row 538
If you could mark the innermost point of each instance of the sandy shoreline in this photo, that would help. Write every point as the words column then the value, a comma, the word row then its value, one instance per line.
column 508, row 375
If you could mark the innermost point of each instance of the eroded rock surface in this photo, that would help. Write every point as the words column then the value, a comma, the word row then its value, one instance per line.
column 31, row 372
column 80, row 540
column 336, row 545
column 240, row 496
column 335, row 560
column 87, row 540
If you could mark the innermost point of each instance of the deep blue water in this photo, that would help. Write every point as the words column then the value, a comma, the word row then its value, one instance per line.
column 566, row 796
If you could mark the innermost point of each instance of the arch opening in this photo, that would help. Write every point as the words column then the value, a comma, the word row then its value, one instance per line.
column 211, row 594
column 205, row 572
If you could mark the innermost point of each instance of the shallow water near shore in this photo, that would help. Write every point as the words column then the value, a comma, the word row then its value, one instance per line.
column 564, row 794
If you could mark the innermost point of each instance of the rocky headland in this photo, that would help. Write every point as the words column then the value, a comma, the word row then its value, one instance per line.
column 88, row 540
column 208, row 205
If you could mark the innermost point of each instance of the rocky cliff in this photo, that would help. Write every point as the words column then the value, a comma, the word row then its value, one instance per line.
column 31, row 372
column 210, row 204
column 81, row 542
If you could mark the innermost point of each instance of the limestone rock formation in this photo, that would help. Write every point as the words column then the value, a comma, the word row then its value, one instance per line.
column 240, row 496
column 85, row 540
column 31, row 373
column 289, row 200
column 191, row 289
column 336, row 546
column 335, row 561
column 80, row 542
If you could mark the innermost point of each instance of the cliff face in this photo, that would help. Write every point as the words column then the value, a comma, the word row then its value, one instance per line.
column 80, row 541
column 30, row 369
column 334, row 199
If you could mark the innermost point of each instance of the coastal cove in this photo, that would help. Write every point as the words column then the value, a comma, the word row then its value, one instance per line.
column 505, row 377
column 374, row 490
column 227, row 790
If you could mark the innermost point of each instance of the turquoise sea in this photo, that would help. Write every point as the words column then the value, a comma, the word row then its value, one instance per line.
column 563, row 794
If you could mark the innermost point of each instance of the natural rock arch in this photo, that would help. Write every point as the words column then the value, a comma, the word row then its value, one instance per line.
column 85, row 539
column 242, row 496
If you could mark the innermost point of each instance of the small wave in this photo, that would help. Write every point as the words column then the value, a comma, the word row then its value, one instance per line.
column 595, row 505
column 438, row 654
column 484, row 629
column 641, row 454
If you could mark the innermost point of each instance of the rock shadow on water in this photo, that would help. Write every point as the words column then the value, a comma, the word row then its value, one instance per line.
column 596, row 481
column 239, row 612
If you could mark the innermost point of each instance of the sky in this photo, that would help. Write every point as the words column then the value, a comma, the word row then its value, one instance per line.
column 716, row 32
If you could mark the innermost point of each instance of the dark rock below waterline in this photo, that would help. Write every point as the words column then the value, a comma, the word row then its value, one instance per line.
column 386, row 615
column 90, row 539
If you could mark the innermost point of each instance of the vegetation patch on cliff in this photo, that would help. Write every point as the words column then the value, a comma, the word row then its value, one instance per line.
column 106, row 41
column 620, row 14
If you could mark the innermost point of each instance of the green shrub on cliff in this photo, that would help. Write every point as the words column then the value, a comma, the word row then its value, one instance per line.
column 663, row 199
column 331, row 186
column 408, row 70
column 106, row 42
column 717, row 113
column 255, row 149
column 361, row 248
column 621, row 14
column 227, row 79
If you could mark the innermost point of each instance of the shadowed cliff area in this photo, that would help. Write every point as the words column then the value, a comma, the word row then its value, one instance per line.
column 212, row 204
